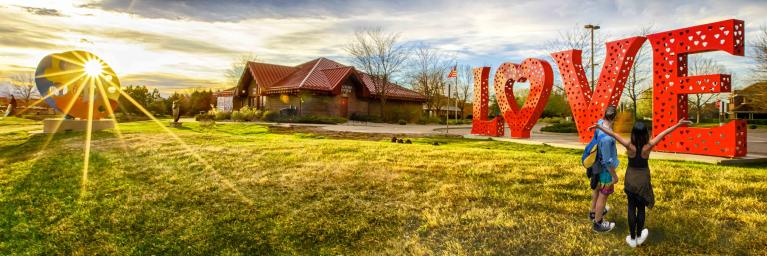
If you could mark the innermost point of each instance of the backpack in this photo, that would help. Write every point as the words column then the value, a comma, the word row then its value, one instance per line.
column 591, row 154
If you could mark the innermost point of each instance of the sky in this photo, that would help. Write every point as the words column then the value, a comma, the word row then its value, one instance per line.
column 178, row 45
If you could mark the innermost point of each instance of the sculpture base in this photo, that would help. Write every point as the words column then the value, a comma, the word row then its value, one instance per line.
column 175, row 124
column 49, row 125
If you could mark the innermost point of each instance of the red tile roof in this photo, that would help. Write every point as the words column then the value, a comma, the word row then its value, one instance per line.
column 319, row 75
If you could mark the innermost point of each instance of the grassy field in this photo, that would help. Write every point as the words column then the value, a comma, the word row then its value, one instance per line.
column 243, row 189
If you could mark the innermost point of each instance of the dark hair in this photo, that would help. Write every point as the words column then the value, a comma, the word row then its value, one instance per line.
column 640, row 135
column 610, row 113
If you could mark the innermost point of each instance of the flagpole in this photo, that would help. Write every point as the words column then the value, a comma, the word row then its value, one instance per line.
column 447, row 110
column 455, row 115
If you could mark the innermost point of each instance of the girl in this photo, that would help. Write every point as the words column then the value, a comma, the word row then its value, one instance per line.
column 637, row 183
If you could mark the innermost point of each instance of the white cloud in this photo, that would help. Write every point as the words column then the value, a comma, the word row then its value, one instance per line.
column 175, row 41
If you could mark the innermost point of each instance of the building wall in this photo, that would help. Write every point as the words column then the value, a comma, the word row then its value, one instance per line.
column 396, row 110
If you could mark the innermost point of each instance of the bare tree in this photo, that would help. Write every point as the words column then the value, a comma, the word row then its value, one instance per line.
column 639, row 80
column 702, row 66
column 465, row 87
column 427, row 72
column 24, row 86
column 759, row 54
column 579, row 38
column 380, row 55
column 234, row 73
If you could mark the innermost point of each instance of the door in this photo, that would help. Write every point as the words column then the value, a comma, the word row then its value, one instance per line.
column 344, row 107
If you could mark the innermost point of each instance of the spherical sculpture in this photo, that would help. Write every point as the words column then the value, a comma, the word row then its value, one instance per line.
column 76, row 81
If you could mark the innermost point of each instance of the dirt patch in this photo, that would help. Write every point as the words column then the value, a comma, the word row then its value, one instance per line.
column 316, row 130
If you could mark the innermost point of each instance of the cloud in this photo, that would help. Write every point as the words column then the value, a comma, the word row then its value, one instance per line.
column 163, row 42
column 168, row 82
column 236, row 10
column 43, row 11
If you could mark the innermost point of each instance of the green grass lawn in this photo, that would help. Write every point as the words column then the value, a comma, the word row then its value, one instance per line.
column 241, row 189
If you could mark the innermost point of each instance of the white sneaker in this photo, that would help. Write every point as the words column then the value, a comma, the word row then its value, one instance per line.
column 631, row 242
column 643, row 236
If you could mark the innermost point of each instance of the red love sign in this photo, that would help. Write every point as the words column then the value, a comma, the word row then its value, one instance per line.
column 538, row 72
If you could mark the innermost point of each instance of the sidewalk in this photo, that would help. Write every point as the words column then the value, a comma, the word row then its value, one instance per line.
column 757, row 140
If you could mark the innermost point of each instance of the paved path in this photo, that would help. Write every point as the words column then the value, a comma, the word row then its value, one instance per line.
column 757, row 139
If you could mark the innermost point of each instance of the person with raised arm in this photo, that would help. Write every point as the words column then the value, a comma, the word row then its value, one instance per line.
column 637, row 183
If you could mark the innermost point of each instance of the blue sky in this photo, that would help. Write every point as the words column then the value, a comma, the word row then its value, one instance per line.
column 174, row 44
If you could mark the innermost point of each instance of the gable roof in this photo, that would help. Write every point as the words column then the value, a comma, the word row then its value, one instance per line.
column 320, row 74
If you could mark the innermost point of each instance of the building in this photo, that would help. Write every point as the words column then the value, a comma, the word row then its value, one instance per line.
column 318, row 87
column 749, row 103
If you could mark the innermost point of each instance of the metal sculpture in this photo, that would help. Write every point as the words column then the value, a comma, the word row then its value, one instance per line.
column 78, row 84
column 480, row 125
column 671, row 85
column 538, row 72
column 587, row 106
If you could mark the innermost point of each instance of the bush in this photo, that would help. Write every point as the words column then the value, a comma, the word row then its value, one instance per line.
column 205, row 117
column 312, row 119
column 564, row 127
column 269, row 116
column 246, row 114
column 753, row 126
column 552, row 120
column 402, row 122
column 223, row 115
column 430, row 120
column 257, row 115
column 757, row 121
column 235, row 115
column 364, row 118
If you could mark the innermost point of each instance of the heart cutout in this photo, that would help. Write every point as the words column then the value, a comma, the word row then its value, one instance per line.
column 538, row 73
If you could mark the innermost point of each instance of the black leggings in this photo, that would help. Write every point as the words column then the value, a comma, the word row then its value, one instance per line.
column 636, row 213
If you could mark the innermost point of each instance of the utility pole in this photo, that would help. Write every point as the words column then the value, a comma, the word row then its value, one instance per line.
column 592, row 28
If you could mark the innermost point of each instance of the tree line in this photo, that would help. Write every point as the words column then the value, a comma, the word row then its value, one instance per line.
column 190, row 103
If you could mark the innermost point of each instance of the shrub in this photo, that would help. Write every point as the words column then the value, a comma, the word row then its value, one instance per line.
column 402, row 122
column 204, row 117
column 313, row 119
column 269, row 116
column 223, row 115
column 430, row 120
column 257, row 115
column 236, row 115
column 564, row 127
column 552, row 120
column 364, row 118
column 757, row 121
column 753, row 126
column 246, row 114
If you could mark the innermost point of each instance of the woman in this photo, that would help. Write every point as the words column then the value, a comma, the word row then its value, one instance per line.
column 637, row 183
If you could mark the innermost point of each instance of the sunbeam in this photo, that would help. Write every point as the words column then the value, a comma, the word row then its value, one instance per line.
column 52, row 92
column 105, row 101
column 88, row 136
column 207, row 165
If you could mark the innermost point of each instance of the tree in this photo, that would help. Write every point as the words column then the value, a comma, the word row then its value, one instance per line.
column 759, row 53
column 140, row 94
column 465, row 87
column 639, row 80
column 156, row 103
column 380, row 55
column 580, row 39
column 24, row 86
column 234, row 72
column 702, row 66
column 427, row 74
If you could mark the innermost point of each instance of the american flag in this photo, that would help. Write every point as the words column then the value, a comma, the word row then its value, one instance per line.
column 453, row 72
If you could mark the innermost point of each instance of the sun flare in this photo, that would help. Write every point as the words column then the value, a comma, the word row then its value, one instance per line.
column 93, row 68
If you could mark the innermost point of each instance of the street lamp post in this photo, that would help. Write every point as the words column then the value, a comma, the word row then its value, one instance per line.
column 592, row 28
